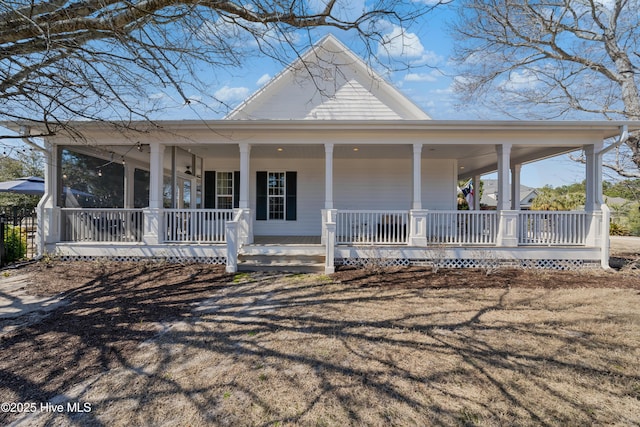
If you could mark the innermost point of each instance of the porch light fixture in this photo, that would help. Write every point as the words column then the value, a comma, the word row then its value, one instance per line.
column 280, row 149
column 188, row 171
column 356, row 149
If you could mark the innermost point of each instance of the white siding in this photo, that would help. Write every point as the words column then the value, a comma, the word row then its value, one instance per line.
column 353, row 102
column 388, row 184
column 220, row 164
column 310, row 197
column 373, row 183
column 368, row 183
column 329, row 83
column 439, row 184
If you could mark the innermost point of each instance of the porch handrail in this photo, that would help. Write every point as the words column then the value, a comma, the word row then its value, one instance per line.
column 553, row 228
column 372, row 227
column 195, row 225
column 102, row 224
column 454, row 227
column 232, row 240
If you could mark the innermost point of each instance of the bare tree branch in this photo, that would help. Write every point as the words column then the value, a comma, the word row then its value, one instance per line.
column 553, row 58
column 101, row 59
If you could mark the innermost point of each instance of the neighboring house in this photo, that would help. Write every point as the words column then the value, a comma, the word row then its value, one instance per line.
column 338, row 168
column 489, row 198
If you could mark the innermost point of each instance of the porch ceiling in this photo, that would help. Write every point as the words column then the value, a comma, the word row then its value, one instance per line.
column 472, row 159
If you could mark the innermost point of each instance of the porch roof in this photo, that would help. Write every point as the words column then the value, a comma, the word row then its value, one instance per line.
column 471, row 142
column 609, row 127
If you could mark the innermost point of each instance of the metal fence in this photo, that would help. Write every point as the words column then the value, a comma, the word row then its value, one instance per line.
column 18, row 227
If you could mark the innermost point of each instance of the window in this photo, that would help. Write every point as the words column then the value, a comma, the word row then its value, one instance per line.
column 140, row 188
column 221, row 190
column 89, row 182
column 224, row 190
column 276, row 196
column 276, row 201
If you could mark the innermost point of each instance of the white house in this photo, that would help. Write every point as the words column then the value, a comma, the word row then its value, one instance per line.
column 490, row 195
column 336, row 168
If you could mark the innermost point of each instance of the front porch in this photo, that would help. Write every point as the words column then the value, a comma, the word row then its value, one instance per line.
column 365, row 190
column 565, row 240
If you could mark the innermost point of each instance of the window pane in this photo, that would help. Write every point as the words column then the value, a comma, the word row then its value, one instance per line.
column 90, row 182
column 167, row 192
column 186, row 194
column 276, row 207
column 225, row 202
column 276, row 183
column 276, row 195
column 140, row 188
column 224, row 184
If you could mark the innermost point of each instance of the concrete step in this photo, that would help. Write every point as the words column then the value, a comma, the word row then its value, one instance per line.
column 284, row 263
column 285, row 250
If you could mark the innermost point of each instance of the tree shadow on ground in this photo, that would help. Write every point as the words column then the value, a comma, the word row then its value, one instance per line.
column 189, row 345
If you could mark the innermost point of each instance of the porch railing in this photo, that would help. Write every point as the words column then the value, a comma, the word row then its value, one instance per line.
column 102, row 225
column 190, row 225
column 462, row 227
column 544, row 228
column 372, row 227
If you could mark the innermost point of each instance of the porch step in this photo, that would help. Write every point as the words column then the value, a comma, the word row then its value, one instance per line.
column 280, row 262
column 285, row 250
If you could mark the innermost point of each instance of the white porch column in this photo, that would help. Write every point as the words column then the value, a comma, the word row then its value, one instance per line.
column 153, row 214
column 328, row 176
column 48, row 211
column 156, row 175
column 593, row 177
column 245, row 164
column 129, row 180
column 515, row 186
column 231, row 235
column 476, row 192
column 504, row 187
column 508, row 219
column 329, row 232
column 418, row 227
column 593, row 204
column 417, row 176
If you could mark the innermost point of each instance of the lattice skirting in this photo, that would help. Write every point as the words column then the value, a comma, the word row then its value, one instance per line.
column 176, row 260
column 549, row 264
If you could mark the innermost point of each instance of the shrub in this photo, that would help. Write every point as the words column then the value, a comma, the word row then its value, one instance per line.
column 616, row 229
column 15, row 243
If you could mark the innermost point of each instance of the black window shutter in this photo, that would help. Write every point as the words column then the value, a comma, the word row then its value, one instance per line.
column 292, row 189
column 236, row 189
column 261, row 196
column 209, row 189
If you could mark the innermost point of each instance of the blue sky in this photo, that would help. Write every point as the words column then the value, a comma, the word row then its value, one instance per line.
column 426, row 46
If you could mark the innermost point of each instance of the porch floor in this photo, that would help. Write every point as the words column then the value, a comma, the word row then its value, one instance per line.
column 286, row 240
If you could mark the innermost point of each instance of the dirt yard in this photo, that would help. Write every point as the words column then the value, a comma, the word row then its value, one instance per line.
column 160, row 344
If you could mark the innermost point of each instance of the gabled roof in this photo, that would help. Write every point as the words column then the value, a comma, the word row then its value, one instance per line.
column 328, row 82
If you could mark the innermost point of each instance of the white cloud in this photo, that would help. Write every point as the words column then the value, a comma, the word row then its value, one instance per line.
column 228, row 94
column 263, row 79
column 399, row 43
column 520, row 80
column 422, row 77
